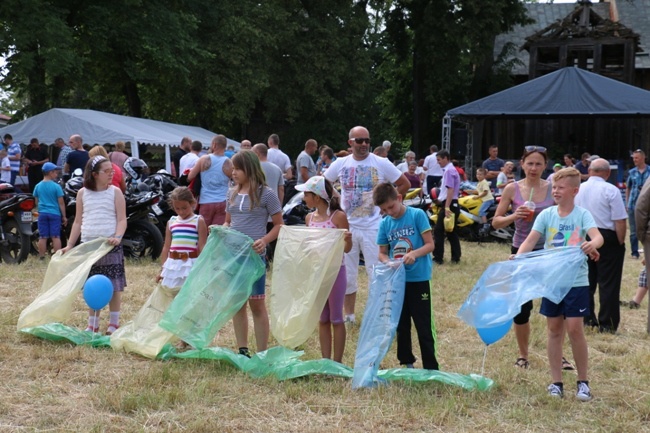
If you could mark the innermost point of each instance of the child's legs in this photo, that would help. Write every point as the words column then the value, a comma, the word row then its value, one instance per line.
column 575, row 330
column 555, row 331
column 484, row 209
column 325, row 338
column 522, row 328
column 116, row 302
column 404, row 345
column 334, row 308
column 44, row 232
column 240, row 325
column 260, row 315
column 421, row 309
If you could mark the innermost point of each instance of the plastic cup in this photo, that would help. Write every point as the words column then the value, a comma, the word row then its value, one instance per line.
column 530, row 206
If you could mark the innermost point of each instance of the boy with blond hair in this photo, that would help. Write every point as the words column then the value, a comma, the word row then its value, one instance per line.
column 405, row 233
column 567, row 225
column 485, row 194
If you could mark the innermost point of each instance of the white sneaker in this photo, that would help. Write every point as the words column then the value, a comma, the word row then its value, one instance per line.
column 555, row 391
column 584, row 392
column 350, row 320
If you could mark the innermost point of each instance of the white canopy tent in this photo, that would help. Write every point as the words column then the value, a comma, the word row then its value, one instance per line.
column 97, row 127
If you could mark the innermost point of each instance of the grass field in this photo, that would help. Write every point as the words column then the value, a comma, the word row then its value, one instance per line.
column 60, row 387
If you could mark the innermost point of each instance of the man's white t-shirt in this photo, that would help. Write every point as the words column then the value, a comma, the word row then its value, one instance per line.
column 432, row 166
column 358, row 178
column 187, row 161
column 279, row 158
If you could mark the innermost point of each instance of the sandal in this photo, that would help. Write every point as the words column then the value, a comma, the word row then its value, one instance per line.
column 112, row 328
column 522, row 363
column 566, row 365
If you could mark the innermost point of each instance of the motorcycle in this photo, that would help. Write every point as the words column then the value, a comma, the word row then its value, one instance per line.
column 15, row 224
column 142, row 237
column 163, row 183
column 469, row 222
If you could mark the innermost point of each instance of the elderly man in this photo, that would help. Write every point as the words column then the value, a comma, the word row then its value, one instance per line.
column 78, row 157
column 635, row 180
column 304, row 163
column 215, row 170
column 359, row 173
column 604, row 202
column 278, row 157
column 245, row 145
column 404, row 166
column 493, row 165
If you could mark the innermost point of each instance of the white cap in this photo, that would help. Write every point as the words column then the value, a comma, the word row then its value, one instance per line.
column 386, row 143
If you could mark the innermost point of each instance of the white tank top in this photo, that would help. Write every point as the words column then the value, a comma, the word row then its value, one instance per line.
column 99, row 218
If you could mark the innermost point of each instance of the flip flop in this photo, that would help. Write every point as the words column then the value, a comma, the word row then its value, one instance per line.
column 566, row 365
column 522, row 363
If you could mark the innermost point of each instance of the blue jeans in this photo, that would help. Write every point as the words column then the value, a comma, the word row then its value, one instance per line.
column 634, row 242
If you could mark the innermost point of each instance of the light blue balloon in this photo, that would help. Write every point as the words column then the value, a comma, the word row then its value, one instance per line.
column 98, row 291
column 494, row 333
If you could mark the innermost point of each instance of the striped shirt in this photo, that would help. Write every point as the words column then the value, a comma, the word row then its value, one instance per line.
column 185, row 234
column 13, row 151
column 252, row 222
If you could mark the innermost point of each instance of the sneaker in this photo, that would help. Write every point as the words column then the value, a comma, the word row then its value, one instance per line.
column 584, row 392
column 350, row 320
column 409, row 365
column 244, row 351
column 555, row 390
column 633, row 305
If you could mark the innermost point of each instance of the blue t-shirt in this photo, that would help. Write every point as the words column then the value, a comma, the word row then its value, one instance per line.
column 568, row 231
column 48, row 192
column 403, row 235
column 493, row 165
column 77, row 159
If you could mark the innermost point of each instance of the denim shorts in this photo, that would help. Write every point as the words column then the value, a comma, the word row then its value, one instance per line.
column 574, row 304
column 484, row 207
column 259, row 286
column 49, row 225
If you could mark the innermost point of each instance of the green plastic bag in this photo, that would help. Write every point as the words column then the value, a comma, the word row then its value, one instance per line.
column 219, row 284
column 64, row 280
column 305, row 266
column 142, row 335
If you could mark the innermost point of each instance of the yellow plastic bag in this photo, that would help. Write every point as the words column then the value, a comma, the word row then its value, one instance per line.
column 142, row 335
column 449, row 222
column 64, row 279
column 305, row 266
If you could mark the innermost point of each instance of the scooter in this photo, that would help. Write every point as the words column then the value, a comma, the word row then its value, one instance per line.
column 15, row 224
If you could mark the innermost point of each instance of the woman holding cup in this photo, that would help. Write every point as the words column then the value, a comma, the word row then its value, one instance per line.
column 527, row 197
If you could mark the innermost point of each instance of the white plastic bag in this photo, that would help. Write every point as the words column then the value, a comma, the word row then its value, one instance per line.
column 305, row 266
column 64, row 279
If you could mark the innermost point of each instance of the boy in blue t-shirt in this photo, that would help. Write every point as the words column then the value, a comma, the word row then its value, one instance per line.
column 405, row 233
column 51, row 209
column 567, row 225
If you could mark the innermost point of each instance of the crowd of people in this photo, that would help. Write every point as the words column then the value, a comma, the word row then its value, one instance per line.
column 245, row 189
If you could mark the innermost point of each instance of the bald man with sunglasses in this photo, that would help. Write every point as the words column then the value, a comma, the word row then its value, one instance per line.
column 359, row 173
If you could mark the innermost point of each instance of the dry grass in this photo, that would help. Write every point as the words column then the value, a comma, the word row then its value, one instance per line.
column 60, row 387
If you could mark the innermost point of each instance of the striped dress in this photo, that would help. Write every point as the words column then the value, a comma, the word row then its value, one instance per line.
column 185, row 239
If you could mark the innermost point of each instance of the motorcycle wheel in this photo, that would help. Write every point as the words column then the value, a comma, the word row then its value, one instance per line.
column 147, row 240
column 18, row 246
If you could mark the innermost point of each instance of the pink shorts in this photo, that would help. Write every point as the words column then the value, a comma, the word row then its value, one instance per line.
column 213, row 213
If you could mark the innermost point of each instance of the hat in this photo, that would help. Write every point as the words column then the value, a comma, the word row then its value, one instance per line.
column 386, row 143
column 557, row 165
column 316, row 185
column 592, row 158
column 48, row 166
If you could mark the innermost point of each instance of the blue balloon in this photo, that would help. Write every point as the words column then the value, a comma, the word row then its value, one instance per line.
column 98, row 291
column 494, row 333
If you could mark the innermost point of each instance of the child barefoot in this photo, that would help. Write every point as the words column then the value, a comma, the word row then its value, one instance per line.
column 328, row 214
column 101, row 212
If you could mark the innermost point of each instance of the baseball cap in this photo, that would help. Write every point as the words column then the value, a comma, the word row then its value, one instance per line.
column 316, row 185
column 48, row 166
column 592, row 158
column 557, row 165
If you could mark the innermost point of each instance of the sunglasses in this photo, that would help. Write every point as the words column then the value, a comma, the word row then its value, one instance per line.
column 535, row 149
column 361, row 140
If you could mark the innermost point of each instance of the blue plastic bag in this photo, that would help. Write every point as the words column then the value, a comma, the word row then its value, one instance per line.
column 218, row 285
column 380, row 319
column 507, row 285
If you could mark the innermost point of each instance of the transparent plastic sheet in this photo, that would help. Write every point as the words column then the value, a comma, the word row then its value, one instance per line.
column 218, row 285
column 63, row 282
column 305, row 266
column 380, row 319
column 507, row 285
column 278, row 362
column 58, row 332
column 142, row 335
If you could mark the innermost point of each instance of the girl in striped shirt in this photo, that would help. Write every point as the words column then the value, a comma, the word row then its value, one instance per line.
column 185, row 237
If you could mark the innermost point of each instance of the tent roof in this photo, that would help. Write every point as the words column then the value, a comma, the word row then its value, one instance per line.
column 97, row 127
column 569, row 91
